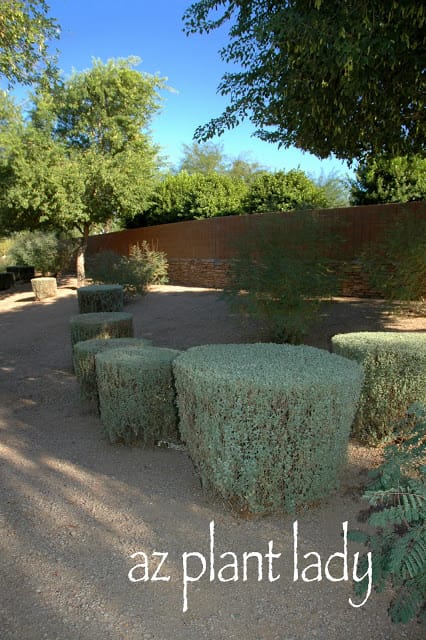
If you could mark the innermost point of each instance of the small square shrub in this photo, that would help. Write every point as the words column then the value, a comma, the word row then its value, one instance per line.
column 394, row 365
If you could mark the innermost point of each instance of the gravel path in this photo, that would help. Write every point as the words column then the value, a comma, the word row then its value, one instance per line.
column 74, row 508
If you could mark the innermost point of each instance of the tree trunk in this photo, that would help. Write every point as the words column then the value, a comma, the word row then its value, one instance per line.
column 81, row 274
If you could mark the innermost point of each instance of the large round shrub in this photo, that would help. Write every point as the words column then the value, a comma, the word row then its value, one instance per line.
column 395, row 376
column 137, row 399
column 84, row 359
column 266, row 425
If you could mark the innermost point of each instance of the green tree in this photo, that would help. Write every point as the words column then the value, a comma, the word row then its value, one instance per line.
column 86, row 156
column 25, row 32
column 382, row 179
column 202, row 158
column 282, row 191
column 187, row 197
column 335, row 188
column 329, row 77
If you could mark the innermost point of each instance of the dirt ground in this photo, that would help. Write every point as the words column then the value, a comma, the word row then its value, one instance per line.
column 75, row 508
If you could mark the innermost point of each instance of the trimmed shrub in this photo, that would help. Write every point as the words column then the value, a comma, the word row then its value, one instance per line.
column 137, row 400
column 6, row 280
column 87, row 326
column 394, row 364
column 44, row 288
column 22, row 272
column 100, row 297
column 266, row 425
column 84, row 354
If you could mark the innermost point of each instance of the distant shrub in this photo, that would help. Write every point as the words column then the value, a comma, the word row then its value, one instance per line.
column 100, row 297
column 84, row 360
column 88, row 326
column 266, row 425
column 397, row 497
column 281, row 191
column 394, row 364
column 396, row 263
column 22, row 273
column 137, row 399
column 47, row 252
column 282, row 272
column 6, row 280
column 142, row 267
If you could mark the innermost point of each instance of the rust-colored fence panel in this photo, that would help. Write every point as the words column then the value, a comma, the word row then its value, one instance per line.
column 199, row 251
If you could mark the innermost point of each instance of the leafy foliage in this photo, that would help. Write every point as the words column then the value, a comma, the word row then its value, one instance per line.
column 397, row 497
column 396, row 263
column 282, row 191
column 47, row 252
column 25, row 31
column 202, row 158
column 381, row 179
column 86, row 155
column 142, row 267
column 329, row 77
column 186, row 197
column 281, row 272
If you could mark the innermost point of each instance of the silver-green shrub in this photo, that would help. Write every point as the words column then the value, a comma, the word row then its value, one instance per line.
column 86, row 326
column 85, row 363
column 137, row 399
column 97, row 298
column 395, row 376
column 266, row 425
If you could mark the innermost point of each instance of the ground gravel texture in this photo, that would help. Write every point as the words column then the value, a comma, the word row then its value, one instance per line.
column 75, row 508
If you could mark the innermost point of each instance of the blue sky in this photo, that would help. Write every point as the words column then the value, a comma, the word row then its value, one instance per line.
column 152, row 30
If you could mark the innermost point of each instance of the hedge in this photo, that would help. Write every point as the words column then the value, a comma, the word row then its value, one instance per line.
column 137, row 399
column 266, row 425
column 87, row 326
column 84, row 354
column 6, row 280
column 21, row 272
column 395, row 376
column 100, row 297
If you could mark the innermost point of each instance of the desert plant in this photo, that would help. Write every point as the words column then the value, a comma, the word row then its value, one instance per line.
column 397, row 497
column 266, row 425
column 101, row 297
column 281, row 272
column 396, row 264
column 142, row 267
column 394, row 365
column 84, row 360
column 88, row 326
column 137, row 399
column 47, row 252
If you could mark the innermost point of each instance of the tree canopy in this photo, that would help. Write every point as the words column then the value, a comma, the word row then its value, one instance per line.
column 343, row 78
column 400, row 179
column 85, row 156
column 26, row 30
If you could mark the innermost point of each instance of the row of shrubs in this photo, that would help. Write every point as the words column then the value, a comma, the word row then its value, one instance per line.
column 52, row 253
column 267, row 425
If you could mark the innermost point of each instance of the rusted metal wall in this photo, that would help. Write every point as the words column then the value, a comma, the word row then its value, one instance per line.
column 214, row 238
